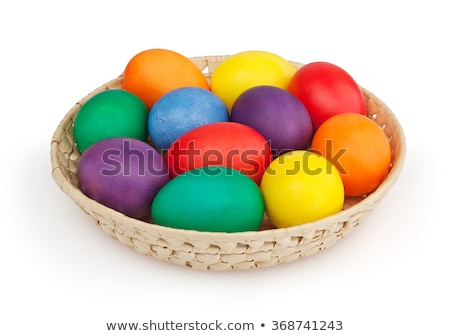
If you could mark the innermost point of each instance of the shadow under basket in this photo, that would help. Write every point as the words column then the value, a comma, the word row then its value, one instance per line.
column 223, row 251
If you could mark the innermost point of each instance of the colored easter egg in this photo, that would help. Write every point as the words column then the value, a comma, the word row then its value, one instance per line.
column 152, row 73
column 122, row 173
column 277, row 114
column 358, row 147
column 326, row 89
column 182, row 110
column 226, row 144
column 111, row 113
column 247, row 69
column 300, row 187
column 216, row 199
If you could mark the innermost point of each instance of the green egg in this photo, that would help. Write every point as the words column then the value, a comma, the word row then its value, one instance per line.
column 108, row 114
column 215, row 199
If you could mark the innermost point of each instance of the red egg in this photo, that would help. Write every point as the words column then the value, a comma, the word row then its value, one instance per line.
column 326, row 90
column 226, row 144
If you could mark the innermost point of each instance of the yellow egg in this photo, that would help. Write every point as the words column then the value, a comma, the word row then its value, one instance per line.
column 300, row 187
column 248, row 69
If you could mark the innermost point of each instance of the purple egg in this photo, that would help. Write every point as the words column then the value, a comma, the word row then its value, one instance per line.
column 277, row 114
column 122, row 173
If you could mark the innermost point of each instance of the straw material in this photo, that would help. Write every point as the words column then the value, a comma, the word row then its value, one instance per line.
column 223, row 251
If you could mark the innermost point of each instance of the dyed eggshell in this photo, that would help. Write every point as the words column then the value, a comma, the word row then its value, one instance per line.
column 108, row 114
column 122, row 173
column 358, row 147
column 247, row 69
column 301, row 187
column 226, row 144
column 216, row 199
column 182, row 110
column 326, row 90
column 153, row 72
column 277, row 114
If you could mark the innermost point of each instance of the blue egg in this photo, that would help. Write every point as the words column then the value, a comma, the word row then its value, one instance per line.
column 182, row 110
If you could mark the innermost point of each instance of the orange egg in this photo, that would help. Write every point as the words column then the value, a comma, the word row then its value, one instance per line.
column 154, row 72
column 359, row 149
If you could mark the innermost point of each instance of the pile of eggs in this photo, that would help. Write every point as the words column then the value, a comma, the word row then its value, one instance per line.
column 261, row 137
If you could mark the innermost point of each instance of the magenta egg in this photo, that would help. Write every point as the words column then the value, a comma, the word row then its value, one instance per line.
column 277, row 114
column 122, row 173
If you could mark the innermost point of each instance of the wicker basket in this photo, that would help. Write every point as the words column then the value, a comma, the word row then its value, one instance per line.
column 223, row 251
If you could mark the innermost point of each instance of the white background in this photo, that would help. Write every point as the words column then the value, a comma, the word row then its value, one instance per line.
column 61, row 275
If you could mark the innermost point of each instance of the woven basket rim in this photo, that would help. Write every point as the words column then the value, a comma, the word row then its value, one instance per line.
column 75, row 193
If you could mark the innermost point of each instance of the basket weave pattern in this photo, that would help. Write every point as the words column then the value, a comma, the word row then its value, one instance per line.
column 222, row 251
